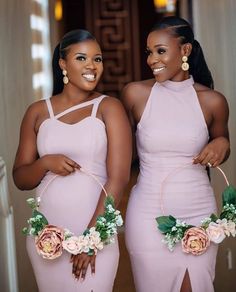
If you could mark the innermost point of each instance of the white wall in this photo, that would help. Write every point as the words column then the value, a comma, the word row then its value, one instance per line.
column 15, row 96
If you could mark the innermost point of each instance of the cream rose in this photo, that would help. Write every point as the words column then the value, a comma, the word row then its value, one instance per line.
column 73, row 245
column 228, row 226
column 231, row 228
column 195, row 241
column 215, row 232
column 95, row 240
column 49, row 242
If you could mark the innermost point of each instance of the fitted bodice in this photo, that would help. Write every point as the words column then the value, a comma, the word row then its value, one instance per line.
column 172, row 129
column 84, row 142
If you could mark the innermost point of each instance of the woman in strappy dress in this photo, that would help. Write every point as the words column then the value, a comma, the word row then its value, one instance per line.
column 178, row 120
column 76, row 127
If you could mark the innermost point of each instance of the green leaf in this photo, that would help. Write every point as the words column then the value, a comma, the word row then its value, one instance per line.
column 223, row 215
column 43, row 219
column 32, row 203
column 165, row 223
column 86, row 231
column 90, row 252
column 25, row 231
column 109, row 200
column 229, row 195
column 213, row 217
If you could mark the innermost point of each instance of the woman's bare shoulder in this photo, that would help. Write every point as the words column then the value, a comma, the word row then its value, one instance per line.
column 136, row 90
column 36, row 108
column 214, row 99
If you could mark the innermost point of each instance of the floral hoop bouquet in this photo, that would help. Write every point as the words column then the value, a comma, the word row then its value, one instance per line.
column 50, row 240
column 196, row 239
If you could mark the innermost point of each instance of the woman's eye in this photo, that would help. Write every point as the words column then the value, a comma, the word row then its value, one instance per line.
column 161, row 51
column 148, row 52
column 98, row 59
column 80, row 58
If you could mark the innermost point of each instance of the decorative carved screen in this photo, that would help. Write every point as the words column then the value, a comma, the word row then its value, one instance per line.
column 115, row 25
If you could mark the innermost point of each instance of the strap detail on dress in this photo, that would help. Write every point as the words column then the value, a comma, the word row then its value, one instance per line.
column 96, row 104
column 75, row 107
column 49, row 106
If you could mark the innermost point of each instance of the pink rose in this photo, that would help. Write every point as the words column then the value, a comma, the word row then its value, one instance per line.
column 195, row 241
column 49, row 242
column 215, row 232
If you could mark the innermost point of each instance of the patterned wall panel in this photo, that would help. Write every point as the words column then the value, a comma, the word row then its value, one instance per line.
column 115, row 25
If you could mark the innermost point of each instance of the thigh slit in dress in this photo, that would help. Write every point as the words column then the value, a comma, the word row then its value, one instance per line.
column 172, row 131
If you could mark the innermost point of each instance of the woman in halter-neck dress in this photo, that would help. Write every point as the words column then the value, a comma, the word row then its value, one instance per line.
column 179, row 120
column 75, row 127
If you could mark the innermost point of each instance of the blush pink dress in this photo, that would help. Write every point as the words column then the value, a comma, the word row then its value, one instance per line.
column 172, row 131
column 70, row 201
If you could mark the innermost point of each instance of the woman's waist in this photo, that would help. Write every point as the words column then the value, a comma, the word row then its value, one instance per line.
column 183, row 203
column 173, row 178
column 84, row 177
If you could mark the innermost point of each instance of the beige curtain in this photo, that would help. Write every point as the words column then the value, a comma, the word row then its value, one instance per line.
column 215, row 28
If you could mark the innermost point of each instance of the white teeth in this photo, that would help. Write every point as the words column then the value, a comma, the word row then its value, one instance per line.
column 157, row 70
column 89, row 77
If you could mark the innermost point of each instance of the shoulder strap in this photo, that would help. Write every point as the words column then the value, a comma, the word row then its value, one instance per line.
column 96, row 104
column 49, row 106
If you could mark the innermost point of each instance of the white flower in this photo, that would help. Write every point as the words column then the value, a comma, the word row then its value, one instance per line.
column 110, row 209
column 39, row 216
column 32, row 231
column 30, row 201
column 67, row 233
column 231, row 228
column 228, row 226
column 206, row 220
column 215, row 232
column 119, row 220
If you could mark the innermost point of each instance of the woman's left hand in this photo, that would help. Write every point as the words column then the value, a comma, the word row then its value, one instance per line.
column 81, row 263
column 214, row 153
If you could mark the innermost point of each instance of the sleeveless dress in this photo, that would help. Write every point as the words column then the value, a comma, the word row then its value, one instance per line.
column 70, row 201
column 172, row 130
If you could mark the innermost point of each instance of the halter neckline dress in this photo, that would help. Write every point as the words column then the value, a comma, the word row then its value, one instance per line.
column 70, row 201
column 172, row 131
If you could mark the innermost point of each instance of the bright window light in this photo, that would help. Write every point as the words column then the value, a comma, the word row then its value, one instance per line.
column 41, row 51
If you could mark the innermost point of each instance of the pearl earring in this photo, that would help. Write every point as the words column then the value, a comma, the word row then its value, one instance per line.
column 185, row 64
column 65, row 78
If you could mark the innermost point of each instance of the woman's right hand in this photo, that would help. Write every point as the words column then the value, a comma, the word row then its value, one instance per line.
column 60, row 164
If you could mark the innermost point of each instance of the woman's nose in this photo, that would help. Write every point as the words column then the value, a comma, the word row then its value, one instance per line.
column 90, row 64
column 153, row 59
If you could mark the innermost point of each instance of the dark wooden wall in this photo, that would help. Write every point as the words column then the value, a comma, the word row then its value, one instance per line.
column 121, row 28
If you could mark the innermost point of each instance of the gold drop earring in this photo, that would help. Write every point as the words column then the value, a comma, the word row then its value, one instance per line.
column 65, row 78
column 185, row 64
